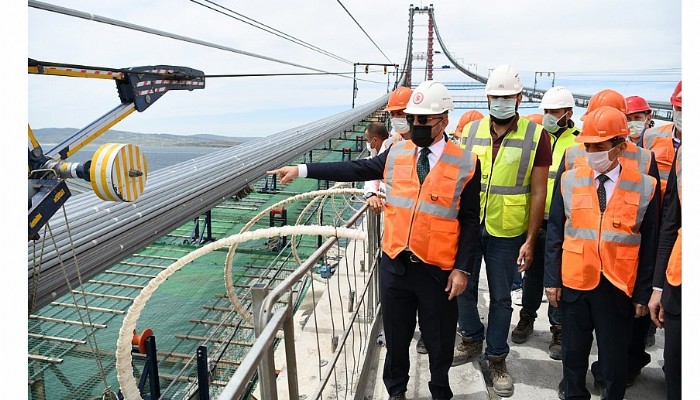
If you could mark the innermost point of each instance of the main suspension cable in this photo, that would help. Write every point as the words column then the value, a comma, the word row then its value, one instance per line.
column 257, row 24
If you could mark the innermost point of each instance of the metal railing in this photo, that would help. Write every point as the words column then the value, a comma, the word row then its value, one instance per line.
column 271, row 317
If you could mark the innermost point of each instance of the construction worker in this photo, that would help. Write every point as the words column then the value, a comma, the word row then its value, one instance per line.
column 431, row 227
column 376, row 137
column 638, row 117
column 398, row 99
column 665, row 303
column 515, row 156
column 638, row 121
column 467, row 117
column 558, row 104
column 600, row 252
column 396, row 106
column 665, row 139
column 643, row 161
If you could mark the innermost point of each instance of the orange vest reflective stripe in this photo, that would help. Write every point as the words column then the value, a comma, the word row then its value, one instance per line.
column 633, row 157
column 607, row 244
column 424, row 218
column 673, row 272
column 660, row 141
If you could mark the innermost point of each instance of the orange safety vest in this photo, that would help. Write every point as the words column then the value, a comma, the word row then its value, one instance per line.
column 633, row 157
column 423, row 218
column 673, row 272
column 660, row 141
column 607, row 243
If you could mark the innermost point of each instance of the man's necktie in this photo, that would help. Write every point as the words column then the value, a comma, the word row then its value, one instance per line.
column 423, row 164
column 602, row 198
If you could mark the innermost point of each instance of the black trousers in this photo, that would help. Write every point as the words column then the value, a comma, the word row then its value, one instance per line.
column 637, row 357
column 672, row 355
column 407, row 287
column 609, row 312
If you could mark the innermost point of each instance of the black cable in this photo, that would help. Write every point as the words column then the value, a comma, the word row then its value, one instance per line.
column 271, row 30
column 365, row 32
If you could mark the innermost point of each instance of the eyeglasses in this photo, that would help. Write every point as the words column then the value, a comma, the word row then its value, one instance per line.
column 422, row 119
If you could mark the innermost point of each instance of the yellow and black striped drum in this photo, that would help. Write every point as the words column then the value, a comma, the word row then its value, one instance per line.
column 118, row 172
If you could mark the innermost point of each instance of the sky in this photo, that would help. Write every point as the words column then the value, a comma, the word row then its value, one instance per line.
column 589, row 44
column 586, row 44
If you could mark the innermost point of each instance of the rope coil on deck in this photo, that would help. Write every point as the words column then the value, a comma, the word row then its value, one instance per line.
column 125, row 375
column 228, row 280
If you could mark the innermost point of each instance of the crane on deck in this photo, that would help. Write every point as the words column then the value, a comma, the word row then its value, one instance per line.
column 116, row 172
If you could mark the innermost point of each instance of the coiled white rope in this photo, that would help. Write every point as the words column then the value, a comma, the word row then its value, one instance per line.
column 125, row 374
column 228, row 265
column 322, row 199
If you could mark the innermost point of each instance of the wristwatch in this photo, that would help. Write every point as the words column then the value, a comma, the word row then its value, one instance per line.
column 369, row 194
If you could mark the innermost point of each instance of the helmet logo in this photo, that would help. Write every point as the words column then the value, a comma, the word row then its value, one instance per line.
column 418, row 98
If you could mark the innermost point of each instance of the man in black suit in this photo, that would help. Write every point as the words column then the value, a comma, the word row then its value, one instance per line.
column 600, row 246
column 431, row 228
column 665, row 303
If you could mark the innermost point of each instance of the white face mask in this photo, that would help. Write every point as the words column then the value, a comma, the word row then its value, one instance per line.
column 677, row 119
column 636, row 128
column 502, row 108
column 372, row 152
column 551, row 123
column 599, row 161
column 400, row 125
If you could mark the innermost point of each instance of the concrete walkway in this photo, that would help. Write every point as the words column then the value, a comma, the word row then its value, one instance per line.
column 534, row 374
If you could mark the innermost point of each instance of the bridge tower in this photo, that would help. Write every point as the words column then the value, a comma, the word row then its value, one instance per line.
column 428, row 56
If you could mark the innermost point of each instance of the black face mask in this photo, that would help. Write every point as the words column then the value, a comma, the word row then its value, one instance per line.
column 422, row 135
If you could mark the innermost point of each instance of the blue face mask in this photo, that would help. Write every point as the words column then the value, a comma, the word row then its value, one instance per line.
column 551, row 123
column 502, row 108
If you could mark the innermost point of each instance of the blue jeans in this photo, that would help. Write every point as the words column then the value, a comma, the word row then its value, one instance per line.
column 517, row 279
column 500, row 256
column 533, row 282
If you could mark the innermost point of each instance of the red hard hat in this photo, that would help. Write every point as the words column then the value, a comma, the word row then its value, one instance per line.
column 677, row 96
column 467, row 117
column 398, row 99
column 606, row 97
column 536, row 118
column 636, row 104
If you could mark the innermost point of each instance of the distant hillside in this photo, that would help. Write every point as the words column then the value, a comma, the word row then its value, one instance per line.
column 54, row 136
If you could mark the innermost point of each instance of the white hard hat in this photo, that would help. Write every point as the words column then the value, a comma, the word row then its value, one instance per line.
column 557, row 97
column 430, row 97
column 503, row 81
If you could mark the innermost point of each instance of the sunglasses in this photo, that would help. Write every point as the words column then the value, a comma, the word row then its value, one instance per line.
column 422, row 119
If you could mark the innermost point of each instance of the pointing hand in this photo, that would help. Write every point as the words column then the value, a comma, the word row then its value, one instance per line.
column 286, row 174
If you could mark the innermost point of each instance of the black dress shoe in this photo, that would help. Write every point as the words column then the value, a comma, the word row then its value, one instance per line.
column 401, row 396
column 560, row 390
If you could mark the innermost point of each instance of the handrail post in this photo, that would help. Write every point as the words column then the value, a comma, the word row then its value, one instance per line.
column 266, row 369
column 290, row 351
column 371, row 245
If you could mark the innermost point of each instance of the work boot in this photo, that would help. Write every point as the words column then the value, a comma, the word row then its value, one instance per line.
column 420, row 346
column 555, row 343
column 466, row 349
column 502, row 382
column 524, row 328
